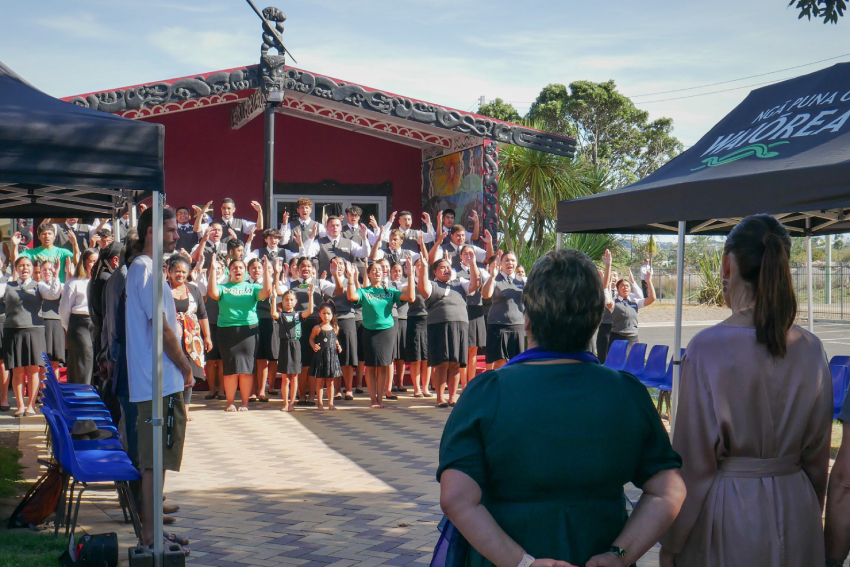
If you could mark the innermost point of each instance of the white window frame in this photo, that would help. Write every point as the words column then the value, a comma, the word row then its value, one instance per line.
column 346, row 200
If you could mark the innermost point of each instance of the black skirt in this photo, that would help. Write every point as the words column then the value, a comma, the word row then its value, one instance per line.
column 477, row 332
column 80, row 349
column 347, row 338
column 268, row 347
column 54, row 340
column 504, row 342
column 416, row 341
column 214, row 354
column 306, row 350
column 290, row 357
column 361, row 355
column 447, row 343
column 238, row 348
column 378, row 346
column 23, row 347
column 400, row 339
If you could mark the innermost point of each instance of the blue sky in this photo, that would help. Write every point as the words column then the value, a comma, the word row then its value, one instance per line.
column 446, row 52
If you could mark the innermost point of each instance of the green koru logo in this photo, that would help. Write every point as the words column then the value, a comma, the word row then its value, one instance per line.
column 758, row 150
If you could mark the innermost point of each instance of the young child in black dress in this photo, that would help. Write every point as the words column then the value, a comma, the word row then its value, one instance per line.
column 289, row 361
column 325, row 366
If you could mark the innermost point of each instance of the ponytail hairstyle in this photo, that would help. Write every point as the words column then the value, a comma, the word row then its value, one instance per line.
column 761, row 249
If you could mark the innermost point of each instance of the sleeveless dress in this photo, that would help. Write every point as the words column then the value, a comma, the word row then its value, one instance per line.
column 326, row 361
column 289, row 361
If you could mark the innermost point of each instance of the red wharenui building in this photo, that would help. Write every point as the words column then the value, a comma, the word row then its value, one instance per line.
column 337, row 142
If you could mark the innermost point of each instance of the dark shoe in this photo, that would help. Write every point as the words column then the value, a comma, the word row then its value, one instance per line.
column 338, row 397
column 309, row 403
column 300, row 403
column 395, row 389
column 210, row 397
column 358, row 391
column 390, row 397
column 443, row 405
column 349, row 397
column 220, row 397
column 273, row 392
column 252, row 400
column 5, row 408
column 401, row 389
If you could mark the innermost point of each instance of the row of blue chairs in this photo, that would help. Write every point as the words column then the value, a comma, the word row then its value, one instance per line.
column 100, row 464
column 650, row 370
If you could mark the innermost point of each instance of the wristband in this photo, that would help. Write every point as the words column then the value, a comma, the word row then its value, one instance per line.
column 527, row 560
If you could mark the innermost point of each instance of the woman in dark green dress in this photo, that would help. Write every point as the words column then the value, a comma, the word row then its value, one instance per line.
column 534, row 456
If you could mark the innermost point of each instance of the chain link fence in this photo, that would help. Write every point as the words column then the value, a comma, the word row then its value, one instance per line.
column 831, row 290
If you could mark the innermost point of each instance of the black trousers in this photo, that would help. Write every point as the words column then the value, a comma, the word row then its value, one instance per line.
column 632, row 339
column 644, row 287
column 80, row 350
column 603, row 339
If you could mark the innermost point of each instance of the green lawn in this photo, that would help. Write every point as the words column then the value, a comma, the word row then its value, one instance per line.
column 26, row 548
column 10, row 472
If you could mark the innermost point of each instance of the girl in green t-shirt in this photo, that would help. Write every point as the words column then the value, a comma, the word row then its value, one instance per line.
column 378, row 325
column 238, row 326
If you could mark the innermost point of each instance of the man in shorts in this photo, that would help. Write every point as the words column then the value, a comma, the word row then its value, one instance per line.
column 176, row 371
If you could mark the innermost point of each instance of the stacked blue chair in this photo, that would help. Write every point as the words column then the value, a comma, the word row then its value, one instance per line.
column 89, row 467
column 665, row 386
column 636, row 359
column 656, row 366
column 616, row 359
column 840, row 378
column 85, row 461
column 840, row 360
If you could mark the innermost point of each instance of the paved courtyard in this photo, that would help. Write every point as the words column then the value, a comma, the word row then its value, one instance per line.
column 310, row 488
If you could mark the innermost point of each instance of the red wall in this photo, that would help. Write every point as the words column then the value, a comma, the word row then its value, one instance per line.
column 205, row 159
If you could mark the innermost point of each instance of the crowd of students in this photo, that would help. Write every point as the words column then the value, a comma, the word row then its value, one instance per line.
column 335, row 306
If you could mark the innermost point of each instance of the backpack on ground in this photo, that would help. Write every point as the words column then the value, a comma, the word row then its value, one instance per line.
column 40, row 501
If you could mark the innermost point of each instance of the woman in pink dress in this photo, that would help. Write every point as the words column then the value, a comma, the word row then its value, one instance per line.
column 754, row 420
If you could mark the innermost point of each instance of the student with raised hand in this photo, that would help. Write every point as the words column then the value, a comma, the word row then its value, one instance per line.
column 23, row 330
column 410, row 237
column 347, row 328
column 306, row 285
column 393, row 248
column 54, row 332
column 334, row 245
column 241, row 228
column 754, row 423
column 76, row 319
column 624, row 308
column 446, row 220
column 238, row 327
column 506, row 321
column 48, row 251
column 477, row 337
column 378, row 332
column 448, row 325
column 450, row 249
column 303, row 225
column 416, row 340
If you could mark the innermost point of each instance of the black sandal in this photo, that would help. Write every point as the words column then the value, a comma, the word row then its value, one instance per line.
column 443, row 405
column 349, row 397
column 262, row 398
column 210, row 397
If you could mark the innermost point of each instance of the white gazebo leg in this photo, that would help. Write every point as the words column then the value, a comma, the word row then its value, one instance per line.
column 156, row 375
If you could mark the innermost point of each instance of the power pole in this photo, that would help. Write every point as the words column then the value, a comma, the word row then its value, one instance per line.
column 482, row 100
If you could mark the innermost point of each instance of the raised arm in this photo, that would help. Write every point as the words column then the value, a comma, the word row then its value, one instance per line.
column 436, row 249
column 212, row 284
column 423, row 286
column 268, row 279
column 488, row 241
column 606, row 278
column 373, row 255
column 476, row 226
column 351, row 292
column 310, row 304
column 650, row 293
column 259, row 208
column 489, row 287
column 409, row 294
column 474, row 277
column 199, row 216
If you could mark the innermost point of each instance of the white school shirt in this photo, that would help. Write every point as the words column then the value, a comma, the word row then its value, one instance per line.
column 480, row 253
column 645, row 272
column 286, row 231
column 139, row 327
column 246, row 226
column 468, row 235
column 357, row 250
column 380, row 254
column 289, row 254
column 75, row 300
column 427, row 235
column 371, row 235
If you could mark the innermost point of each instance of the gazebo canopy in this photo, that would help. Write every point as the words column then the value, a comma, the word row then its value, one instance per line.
column 785, row 150
column 59, row 159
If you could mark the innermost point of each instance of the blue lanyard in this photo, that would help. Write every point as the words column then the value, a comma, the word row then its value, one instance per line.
column 538, row 353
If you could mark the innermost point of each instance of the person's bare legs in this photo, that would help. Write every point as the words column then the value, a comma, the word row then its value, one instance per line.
column 425, row 376
column 468, row 373
column 453, row 379
column 438, row 374
column 329, row 382
column 290, row 383
column 348, row 379
column 372, row 384
column 318, row 384
column 261, row 374
column 5, row 377
column 361, row 374
column 230, row 383
column 388, row 391
column 18, row 377
column 246, row 381
column 382, row 373
column 399, row 374
column 415, row 376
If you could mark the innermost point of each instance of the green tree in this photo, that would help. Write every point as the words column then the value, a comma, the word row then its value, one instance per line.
column 609, row 129
column 829, row 10
column 838, row 244
column 500, row 110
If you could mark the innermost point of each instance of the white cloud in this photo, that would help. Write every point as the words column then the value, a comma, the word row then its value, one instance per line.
column 208, row 50
column 84, row 26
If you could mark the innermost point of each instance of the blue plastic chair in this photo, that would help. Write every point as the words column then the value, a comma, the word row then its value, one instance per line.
column 80, row 390
column 655, row 368
column 665, row 386
column 636, row 360
column 840, row 360
column 69, row 416
column 616, row 358
column 89, row 467
column 839, row 387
